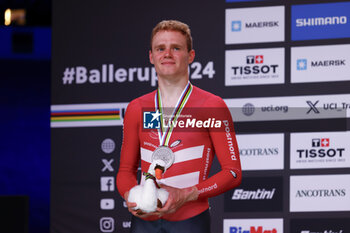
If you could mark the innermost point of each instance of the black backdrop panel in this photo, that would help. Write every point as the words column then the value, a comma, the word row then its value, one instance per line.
column 100, row 55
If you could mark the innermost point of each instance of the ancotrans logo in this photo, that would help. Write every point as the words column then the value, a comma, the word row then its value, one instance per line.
column 109, row 74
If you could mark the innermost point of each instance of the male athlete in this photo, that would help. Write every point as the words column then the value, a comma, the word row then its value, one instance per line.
column 186, row 180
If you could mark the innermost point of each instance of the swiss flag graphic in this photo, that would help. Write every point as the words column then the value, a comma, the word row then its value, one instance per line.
column 325, row 142
column 259, row 59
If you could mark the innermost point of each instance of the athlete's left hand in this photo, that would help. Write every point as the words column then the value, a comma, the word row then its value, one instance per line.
column 177, row 198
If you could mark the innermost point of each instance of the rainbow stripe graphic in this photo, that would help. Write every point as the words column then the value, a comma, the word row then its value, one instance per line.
column 83, row 115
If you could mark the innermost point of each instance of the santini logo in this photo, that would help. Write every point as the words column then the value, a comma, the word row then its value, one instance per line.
column 321, row 193
column 260, row 194
column 321, row 21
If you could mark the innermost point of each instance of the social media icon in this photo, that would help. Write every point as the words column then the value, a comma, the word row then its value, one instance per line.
column 151, row 120
column 107, row 165
column 107, row 224
column 107, row 183
column 107, row 204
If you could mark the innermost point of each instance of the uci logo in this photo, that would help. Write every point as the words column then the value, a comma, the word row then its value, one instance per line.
column 151, row 120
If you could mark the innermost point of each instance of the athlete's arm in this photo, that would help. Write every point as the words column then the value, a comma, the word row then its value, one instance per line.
column 226, row 150
column 130, row 151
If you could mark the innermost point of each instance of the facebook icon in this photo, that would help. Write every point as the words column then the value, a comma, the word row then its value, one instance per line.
column 151, row 120
column 107, row 183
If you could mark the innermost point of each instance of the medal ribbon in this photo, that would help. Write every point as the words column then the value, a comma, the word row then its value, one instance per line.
column 164, row 133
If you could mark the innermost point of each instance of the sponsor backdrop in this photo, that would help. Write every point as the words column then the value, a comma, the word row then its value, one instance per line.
column 282, row 67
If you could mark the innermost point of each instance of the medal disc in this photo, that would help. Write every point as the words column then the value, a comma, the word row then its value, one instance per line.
column 164, row 153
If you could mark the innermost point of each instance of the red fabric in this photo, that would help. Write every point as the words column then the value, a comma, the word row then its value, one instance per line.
column 220, row 141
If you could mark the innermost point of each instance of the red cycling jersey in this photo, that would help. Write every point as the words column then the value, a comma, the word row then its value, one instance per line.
column 194, row 145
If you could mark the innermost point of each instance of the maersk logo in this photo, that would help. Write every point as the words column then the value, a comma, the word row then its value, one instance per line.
column 236, row 26
column 254, row 25
column 263, row 24
column 301, row 64
column 320, row 21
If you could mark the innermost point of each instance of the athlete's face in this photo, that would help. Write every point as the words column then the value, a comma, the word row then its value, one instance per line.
column 169, row 54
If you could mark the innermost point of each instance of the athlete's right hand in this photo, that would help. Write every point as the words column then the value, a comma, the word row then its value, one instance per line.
column 137, row 213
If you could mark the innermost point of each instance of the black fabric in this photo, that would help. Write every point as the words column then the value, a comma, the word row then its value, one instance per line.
column 196, row 224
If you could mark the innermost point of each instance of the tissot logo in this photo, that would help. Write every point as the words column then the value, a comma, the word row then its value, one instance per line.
column 320, row 150
column 255, row 69
column 323, row 152
column 243, row 67
column 323, row 142
column 320, row 21
column 259, row 59
column 256, row 194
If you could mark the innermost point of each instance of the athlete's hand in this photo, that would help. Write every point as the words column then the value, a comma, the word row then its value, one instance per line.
column 177, row 198
column 136, row 213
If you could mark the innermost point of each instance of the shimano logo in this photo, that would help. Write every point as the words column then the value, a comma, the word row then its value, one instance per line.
column 260, row 194
column 321, row 21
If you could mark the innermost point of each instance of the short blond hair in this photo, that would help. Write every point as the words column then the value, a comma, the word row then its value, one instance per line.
column 174, row 25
